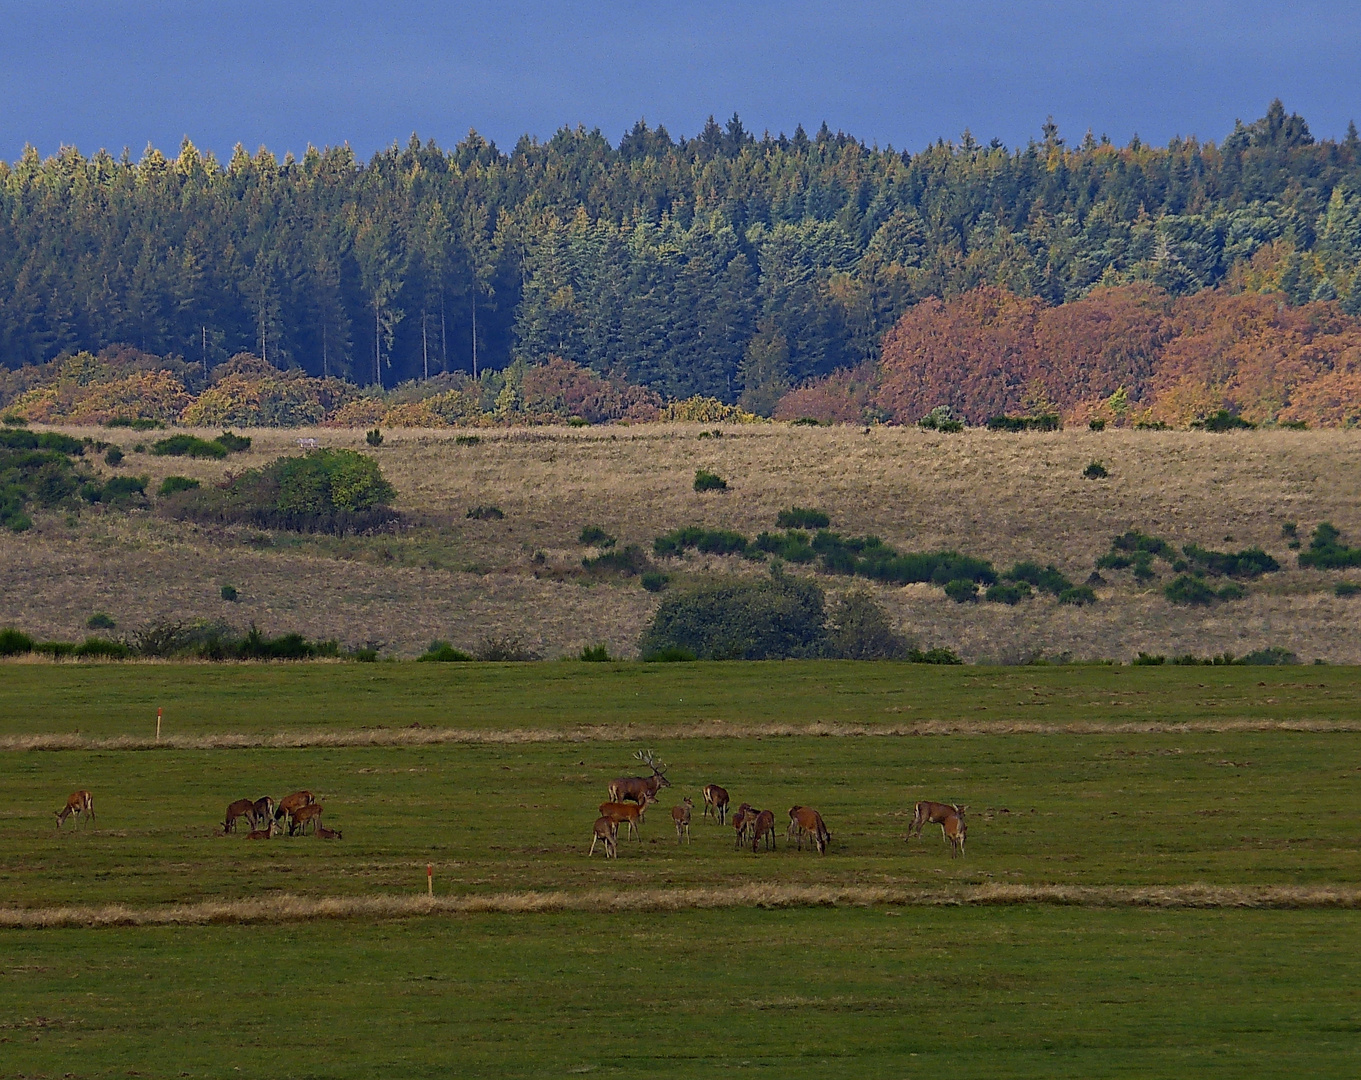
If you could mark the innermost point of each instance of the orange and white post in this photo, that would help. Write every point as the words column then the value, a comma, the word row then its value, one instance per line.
column 429, row 879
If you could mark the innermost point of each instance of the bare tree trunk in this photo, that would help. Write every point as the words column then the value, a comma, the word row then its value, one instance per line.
column 443, row 336
column 474, row 333
column 425, row 346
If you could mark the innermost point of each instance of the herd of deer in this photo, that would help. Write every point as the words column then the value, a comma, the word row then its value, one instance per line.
column 294, row 813
column 630, row 796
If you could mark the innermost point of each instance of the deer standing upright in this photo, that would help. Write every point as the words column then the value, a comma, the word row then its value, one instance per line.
column 716, row 802
column 634, row 788
column 680, row 815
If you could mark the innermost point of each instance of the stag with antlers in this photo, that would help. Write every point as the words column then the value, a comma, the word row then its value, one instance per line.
column 638, row 788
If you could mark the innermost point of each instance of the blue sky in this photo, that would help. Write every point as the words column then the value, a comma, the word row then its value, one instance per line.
column 117, row 73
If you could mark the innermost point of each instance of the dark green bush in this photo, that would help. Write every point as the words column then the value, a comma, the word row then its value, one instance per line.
column 14, row 642
column 93, row 648
column 709, row 481
column 1096, row 424
column 1346, row 588
column 706, row 541
column 1149, row 660
column 595, row 536
column 183, row 445
column 1275, row 654
column 1187, row 589
column 1007, row 594
column 939, row 419
column 740, row 619
column 1045, row 578
column 467, row 440
column 229, row 594
column 218, row 641
column 937, row 655
column 441, row 652
column 233, row 443
column 1223, row 420
column 172, row 484
column 100, row 620
column 114, row 457
column 1042, row 422
column 135, row 423
column 119, row 491
column 962, row 590
column 1248, row 563
column 335, row 491
column 595, row 654
column 806, row 421
column 1095, row 471
column 655, row 580
column 374, row 437
column 801, row 517
column 1327, row 550
column 792, row 546
column 859, row 628
column 1078, row 595
column 485, row 513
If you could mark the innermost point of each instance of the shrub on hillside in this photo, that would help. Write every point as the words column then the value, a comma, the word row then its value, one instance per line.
column 1327, row 551
column 858, row 628
column 183, row 445
column 939, row 419
column 1248, row 563
column 100, row 620
column 962, row 590
column 629, row 561
column 1192, row 590
column 1223, row 420
column 801, row 517
column 1007, row 594
column 655, row 581
column 709, row 481
column 705, row 541
column 505, row 648
column 441, row 652
column 485, row 513
column 594, row 654
column 14, row 642
column 1045, row 578
column 740, row 619
column 120, row 491
column 1095, row 471
column 335, row 491
column 172, row 484
column 595, row 536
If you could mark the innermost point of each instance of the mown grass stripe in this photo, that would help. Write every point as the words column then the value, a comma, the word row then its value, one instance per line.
column 284, row 909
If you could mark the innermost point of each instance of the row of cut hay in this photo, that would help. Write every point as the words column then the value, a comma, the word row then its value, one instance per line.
column 286, row 909
column 716, row 729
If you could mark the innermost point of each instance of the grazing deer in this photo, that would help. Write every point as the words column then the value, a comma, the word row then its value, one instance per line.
column 763, row 827
column 932, row 813
column 79, row 803
column 267, row 833
column 955, row 831
column 630, row 813
column 681, row 816
column 323, row 833
column 633, row 788
column 606, row 829
column 242, row 808
column 742, row 823
column 290, row 803
column 304, row 816
column 805, row 821
column 716, row 802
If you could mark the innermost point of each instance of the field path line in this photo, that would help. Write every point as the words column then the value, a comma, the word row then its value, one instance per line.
column 434, row 736
column 286, row 909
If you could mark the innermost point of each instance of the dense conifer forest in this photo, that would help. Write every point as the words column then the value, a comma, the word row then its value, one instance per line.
column 727, row 265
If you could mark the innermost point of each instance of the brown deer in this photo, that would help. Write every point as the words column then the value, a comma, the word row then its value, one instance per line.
column 323, row 833
column 681, row 816
column 630, row 813
column 607, row 830
column 264, row 809
column 633, row 788
column 304, row 816
column 242, row 808
column 742, row 822
column 932, row 813
column 805, row 821
column 955, row 831
column 79, row 803
column 763, row 827
column 716, row 802
column 267, row 833
column 289, row 803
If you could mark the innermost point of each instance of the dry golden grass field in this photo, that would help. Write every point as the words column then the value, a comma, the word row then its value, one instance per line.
column 999, row 496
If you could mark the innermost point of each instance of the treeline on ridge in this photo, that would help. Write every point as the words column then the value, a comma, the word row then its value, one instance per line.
column 723, row 265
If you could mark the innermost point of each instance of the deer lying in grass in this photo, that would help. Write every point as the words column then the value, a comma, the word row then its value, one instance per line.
column 78, row 803
column 955, row 831
column 242, row 808
column 716, row 802
column 304, row 816
column 606, row 829
column 680, row 815
column 267, row 833
column 323, row 833
column 805, row 821
column 634, row 788
column 763, row 827
column 932, row 813
column 630, row 813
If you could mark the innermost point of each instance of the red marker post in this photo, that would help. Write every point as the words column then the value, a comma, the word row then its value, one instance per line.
column 430, row 879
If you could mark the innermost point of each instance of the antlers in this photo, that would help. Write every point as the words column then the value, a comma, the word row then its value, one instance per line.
column 648, row 758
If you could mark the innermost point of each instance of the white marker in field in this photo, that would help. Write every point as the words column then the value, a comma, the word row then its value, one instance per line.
column 430, row 879
column 158, row 725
